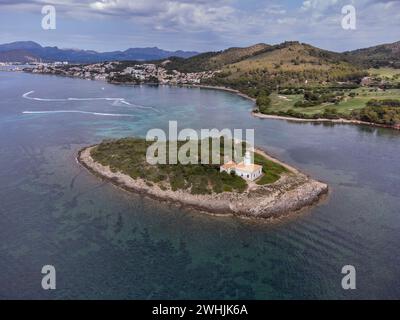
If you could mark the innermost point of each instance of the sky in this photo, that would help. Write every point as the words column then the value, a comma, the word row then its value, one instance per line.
column 199, row 25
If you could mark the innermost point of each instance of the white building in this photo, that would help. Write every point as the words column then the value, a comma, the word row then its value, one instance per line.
column 246, row 169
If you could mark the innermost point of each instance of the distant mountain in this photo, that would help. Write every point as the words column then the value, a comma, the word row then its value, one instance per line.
column 24, row 51
column 17, row 56
column 385, row 55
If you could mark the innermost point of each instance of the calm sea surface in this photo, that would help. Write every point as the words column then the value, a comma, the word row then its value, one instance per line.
column 106, row 243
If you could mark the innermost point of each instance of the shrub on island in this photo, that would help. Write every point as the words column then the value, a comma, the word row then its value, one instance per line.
column 128, row 156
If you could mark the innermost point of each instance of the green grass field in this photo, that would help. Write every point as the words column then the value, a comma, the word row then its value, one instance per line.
column 281, row 102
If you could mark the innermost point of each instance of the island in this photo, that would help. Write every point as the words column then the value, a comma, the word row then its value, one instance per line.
column 276, row 192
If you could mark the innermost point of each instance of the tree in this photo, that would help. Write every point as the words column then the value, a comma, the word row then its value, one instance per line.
column 263, row 99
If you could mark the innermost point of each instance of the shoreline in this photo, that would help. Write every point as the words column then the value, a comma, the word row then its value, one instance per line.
column 245, row 96
column 323, row 120
column 276, row 117
column 292, row 193
column 226, row 89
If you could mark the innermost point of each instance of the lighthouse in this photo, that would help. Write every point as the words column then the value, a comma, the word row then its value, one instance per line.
column 246, row 169
column 247, row 159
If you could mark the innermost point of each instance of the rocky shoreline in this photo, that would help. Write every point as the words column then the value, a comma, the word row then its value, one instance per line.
column 293, row 192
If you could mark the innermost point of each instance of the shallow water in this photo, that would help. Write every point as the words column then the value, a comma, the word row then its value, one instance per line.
column 106, row 243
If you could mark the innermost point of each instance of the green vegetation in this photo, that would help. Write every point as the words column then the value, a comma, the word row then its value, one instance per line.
column 386, row 55
column 129, row 79
column 385, row 112
column 385, row 73
column 261, row 67
column 319, row 96
column 263, row 101
column 214, row 60
column 383, row 103
column 272, row 171
column 347, row 105
column 288, row 65
column 197, row 63
column 129, row 157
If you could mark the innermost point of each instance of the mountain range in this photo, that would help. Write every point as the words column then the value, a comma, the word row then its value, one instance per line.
column 289, row 55
column 292, row 54
column 28, row 51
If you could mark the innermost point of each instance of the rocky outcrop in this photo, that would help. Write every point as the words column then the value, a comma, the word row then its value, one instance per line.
column 292, row 192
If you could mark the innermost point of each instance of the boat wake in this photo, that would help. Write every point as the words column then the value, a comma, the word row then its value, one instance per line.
column 117, row 101
column 26, row 96
column 124, row 102
column 80, row 111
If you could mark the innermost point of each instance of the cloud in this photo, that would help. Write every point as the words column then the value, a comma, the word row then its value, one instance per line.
column 170, row 15
column 222, row 23
column 161, row 15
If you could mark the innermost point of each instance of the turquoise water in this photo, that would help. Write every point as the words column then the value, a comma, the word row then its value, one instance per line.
column 106, row 243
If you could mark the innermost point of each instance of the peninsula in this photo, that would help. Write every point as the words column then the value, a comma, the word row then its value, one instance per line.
column 279, row 191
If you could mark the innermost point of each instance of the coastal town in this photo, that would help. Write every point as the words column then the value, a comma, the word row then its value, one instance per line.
column 122, row 72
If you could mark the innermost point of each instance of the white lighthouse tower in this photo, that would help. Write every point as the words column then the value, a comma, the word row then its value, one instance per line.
column 247, row 159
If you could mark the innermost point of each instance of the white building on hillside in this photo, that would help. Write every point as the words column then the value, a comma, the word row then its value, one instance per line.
column 246, row 169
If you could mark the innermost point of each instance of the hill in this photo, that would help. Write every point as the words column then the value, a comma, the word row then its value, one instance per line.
column 287, row 65
column 51, row 54
column 20, row 45
column 17, row 56
column 215, row 60
column 385, row 55
column 290, row 64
